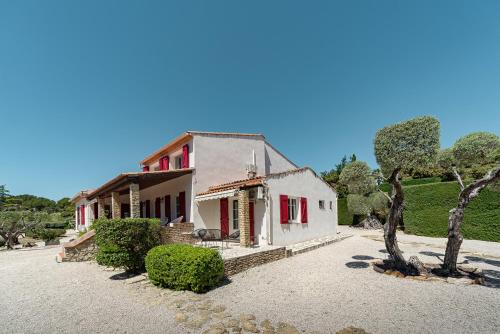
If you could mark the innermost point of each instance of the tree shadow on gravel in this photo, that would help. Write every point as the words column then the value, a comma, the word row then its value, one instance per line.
column 495, row 263
column 124, row 275
column 357, row 265
column 363, row 257
column 385, row 251
column 432, row 254
column 492, row 278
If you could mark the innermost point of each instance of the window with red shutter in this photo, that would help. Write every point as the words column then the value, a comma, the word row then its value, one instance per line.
column 283, row 209
column 303, row 210
column 145, row 169
column 185, row 156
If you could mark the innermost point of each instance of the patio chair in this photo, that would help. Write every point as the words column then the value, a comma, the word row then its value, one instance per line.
column 177, row 220
column 233, row 237
column 208, row 235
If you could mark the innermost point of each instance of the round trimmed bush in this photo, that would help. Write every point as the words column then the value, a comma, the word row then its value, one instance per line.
column 184, row 267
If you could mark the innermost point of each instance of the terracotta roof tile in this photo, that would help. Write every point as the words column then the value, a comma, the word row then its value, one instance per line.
column 234, row 185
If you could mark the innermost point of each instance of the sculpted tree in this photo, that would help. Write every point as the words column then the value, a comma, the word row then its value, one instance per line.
column 363, row 199
column 479, row 148
column 401, row 147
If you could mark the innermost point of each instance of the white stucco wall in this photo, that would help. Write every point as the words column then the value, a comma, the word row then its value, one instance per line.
column 275, row 161
column 321, row 222
column 220, row 159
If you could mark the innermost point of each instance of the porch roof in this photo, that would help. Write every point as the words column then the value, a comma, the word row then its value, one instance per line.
column 231, row 186
column 145, row 180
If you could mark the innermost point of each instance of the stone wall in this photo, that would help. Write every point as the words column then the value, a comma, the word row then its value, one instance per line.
column 236, row 265
column 81, row 249
column 178, row 233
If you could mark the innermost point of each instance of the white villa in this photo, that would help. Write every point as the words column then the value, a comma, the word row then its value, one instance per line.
column 224, row 181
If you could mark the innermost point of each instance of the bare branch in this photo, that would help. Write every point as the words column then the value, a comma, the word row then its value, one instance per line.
column 458, row 177
column 388, row 197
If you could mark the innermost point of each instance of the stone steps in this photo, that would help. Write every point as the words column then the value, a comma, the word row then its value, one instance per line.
column 310, row 245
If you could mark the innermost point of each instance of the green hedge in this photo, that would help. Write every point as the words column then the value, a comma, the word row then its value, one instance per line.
column 184, row 267
column 427, row 207
column 344, row 217
column 125, row 242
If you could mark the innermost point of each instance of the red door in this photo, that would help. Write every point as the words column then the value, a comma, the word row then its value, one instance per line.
column 82, row 215
column 224, row 217
column 251, row 215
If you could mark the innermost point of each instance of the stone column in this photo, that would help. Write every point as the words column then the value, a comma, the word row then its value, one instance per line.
column 244, row 218
column 135, row 204
column 101, row 213
column 116, row 206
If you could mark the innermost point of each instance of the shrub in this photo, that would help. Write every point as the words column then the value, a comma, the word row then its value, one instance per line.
column 184, row 267
column 2, row 242
column 125, row 242
column 46, row 234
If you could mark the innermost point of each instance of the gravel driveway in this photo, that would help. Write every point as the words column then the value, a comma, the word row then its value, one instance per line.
column 323, row 290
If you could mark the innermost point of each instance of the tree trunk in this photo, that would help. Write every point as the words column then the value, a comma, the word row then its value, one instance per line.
column 393, row 220
column 456, row 216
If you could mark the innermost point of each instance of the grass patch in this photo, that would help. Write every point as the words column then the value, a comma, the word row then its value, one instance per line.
column 344, row 217
column 427, row 206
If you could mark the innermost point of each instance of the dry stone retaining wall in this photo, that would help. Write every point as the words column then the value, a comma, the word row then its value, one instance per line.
column 236, row 265
column 81, row 249
column 178, row 233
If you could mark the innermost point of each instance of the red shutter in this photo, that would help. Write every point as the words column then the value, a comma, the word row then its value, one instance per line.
column 167, row 208
column 82, row 215
column 303, row 210
column 283, row 209
column 145, row 169
column 148, row 204
column 185, row 156
column 182, row 205
column 164, row 163
column 96, row 210
column 224, row 217
column 157, row 207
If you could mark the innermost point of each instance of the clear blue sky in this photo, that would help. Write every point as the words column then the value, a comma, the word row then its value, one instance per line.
column 88, row 88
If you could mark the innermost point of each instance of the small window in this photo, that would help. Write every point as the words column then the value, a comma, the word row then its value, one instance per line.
column 178, row 162
column 331, row 205
column 321, row 204
column 292, row 209
column 177, row 206
column 235, row 215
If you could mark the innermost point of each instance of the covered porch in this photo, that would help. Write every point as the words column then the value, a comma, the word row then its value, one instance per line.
column 157, row 194
column 235, row 211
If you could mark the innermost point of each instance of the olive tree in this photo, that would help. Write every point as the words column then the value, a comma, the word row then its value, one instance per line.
column 478, row 148
column 15, row 223
column 401, row 147
column 362, row 185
